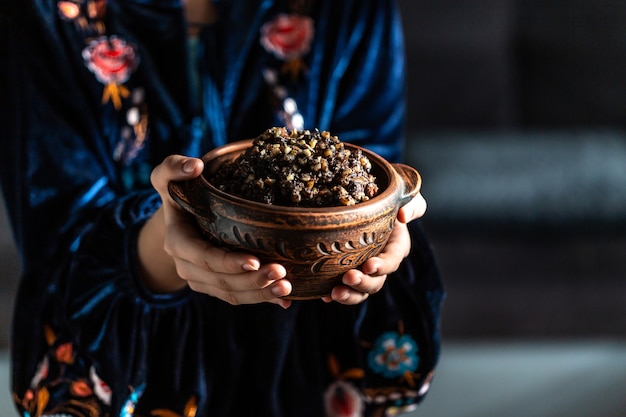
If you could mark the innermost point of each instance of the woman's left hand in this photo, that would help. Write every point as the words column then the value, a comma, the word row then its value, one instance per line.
column 359, row 284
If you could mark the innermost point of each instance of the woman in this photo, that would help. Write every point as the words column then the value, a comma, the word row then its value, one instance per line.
column 123, row 308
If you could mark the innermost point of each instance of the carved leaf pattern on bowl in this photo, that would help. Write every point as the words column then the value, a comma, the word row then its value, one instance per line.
column 314, row 257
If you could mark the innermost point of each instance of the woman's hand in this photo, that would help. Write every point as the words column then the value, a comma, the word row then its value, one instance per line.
column 173, row 253
column 359, row 284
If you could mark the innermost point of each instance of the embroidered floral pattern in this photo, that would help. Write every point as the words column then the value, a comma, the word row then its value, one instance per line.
column 87, row 15
column 342, row 398
column 287, row 110
column 100, row 388
column 62, row 386
column 191, row 409
column 128, row 410
column 112, row 60
column 288, row 36
column 65, row 353
column 393, row 400
column 135, row 131
column 393, row 355
column 69, row 9
column 58, row 390
column 57, row 377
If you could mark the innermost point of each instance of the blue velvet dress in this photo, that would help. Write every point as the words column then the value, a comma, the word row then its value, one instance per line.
column 95, row 93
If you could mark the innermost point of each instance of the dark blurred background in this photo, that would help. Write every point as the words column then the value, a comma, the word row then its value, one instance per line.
column 517, row 112
column 517, row 117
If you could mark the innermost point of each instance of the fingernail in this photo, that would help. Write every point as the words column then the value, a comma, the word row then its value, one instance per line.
column 371, row 268
column 344, row 296
column 251, row 266
column 279, row 290
column 370, row 271
column 276, row 275
column 352, row 280
column 189, row 165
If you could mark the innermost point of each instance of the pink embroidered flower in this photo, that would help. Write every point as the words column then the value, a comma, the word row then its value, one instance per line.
column 288, row 36
column 112, row 60
column 342, row 399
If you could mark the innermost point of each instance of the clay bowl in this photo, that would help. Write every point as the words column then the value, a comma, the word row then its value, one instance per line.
column 315, row 245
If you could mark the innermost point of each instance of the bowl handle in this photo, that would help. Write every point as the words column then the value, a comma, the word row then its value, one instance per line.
column 188, row 194
column 412, row 181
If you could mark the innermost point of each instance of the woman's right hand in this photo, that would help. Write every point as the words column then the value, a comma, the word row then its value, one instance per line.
column 173, row 253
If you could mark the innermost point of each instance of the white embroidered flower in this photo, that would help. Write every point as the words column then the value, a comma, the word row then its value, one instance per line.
column 100, row 388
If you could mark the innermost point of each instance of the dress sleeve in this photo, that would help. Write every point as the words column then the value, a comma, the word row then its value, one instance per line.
column 75, row 226
column 362, row 81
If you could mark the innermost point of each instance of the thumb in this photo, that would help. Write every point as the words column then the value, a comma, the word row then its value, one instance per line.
column 175, row 168
column 412, row 210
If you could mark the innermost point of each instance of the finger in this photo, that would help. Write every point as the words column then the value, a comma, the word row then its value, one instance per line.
column 175, row 168
column 201, row 279
column 348, row 296
column 360, row 282
column 207, row 268
column 184, row 242
column 271, row 293
column 397, row 248
column 412, row 210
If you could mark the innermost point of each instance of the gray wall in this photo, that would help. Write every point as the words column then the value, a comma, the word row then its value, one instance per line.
column 9, row 273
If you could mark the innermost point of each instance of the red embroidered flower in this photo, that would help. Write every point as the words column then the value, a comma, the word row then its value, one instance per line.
column 288, row 36
column 112, row 60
